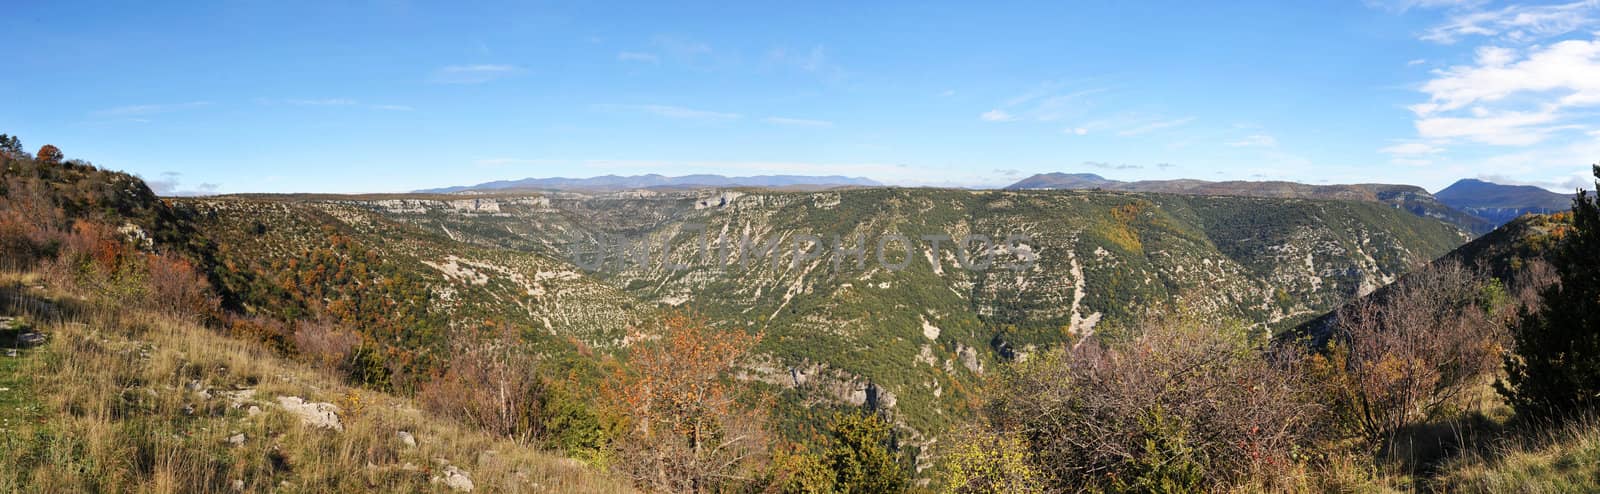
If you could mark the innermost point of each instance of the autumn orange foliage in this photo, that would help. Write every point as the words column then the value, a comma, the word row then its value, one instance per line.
column 689, row 430
column 49, row 155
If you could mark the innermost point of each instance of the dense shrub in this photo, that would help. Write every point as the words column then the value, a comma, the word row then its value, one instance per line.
column 687, row 429
column 862, row 455
column 178, row 289
column 1415, row 351
column 326, row 344
column 493, row 384
column 984, row 462
column 1175, row 407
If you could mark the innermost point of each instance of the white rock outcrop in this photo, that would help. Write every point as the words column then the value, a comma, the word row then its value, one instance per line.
column 455, row 478
column 320, row 415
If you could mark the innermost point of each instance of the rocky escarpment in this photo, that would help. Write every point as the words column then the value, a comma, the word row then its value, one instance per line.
column 873, row 288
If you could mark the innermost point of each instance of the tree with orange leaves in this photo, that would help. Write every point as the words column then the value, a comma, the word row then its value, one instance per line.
column 49, row 155
column 688, row 431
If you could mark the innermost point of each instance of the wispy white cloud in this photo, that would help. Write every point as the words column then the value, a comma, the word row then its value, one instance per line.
column 798, row 122
column 1045, row 103
column 1513, row 96
column 813, row 61
column 670, row 111
column 997, row 116
column 636, row 56
column 1414, row 153
column 1155, row 126
column 1517, row 22
column 1112, row 166
column 1404, row 5
column 1571, row 68
column 1508, row 128
column 332, row 102
column 1255, row 140
column 148, row 109
column 679, row 47
column 321, row 102
column 472, row 74
column 507, row 161
column 1416, row 62
column 170, row 184
column 1411, row 149
column 665, row 48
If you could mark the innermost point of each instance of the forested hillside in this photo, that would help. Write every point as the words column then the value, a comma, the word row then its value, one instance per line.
column 916, row 341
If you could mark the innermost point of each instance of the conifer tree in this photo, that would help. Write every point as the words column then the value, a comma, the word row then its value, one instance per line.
column 1556, row 369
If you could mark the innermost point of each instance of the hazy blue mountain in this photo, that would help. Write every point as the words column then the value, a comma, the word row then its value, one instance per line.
column 1061, row 181
column 616, row 182
column 1498, row 203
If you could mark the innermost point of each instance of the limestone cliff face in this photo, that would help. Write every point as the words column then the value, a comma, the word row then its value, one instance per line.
column 917, row 317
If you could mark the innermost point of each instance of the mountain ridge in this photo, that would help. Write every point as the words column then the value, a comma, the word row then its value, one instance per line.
column 624, row 182
column 1412, row 198
column 1499, row 203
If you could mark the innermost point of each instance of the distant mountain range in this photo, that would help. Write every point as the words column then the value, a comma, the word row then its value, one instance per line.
column 1499, row 204
column 1409, row 197
column 1475, row 206
column 616, row 182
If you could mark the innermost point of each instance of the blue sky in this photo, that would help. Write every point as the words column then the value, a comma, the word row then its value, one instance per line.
column 284, row 96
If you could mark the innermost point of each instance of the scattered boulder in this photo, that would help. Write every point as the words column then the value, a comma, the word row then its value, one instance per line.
column 237, row 399
column 407, row 439
column 199, row 389
column 30, row 339
column 253, row 411
column 236, row 439
column 320, row 415
column 454, row 478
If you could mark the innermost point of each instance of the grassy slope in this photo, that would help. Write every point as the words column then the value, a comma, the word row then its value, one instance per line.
column 1567, row 460
column 123, row 407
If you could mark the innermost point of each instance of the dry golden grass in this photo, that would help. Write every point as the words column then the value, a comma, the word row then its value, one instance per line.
column 1566, row 459
column 133, row 401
